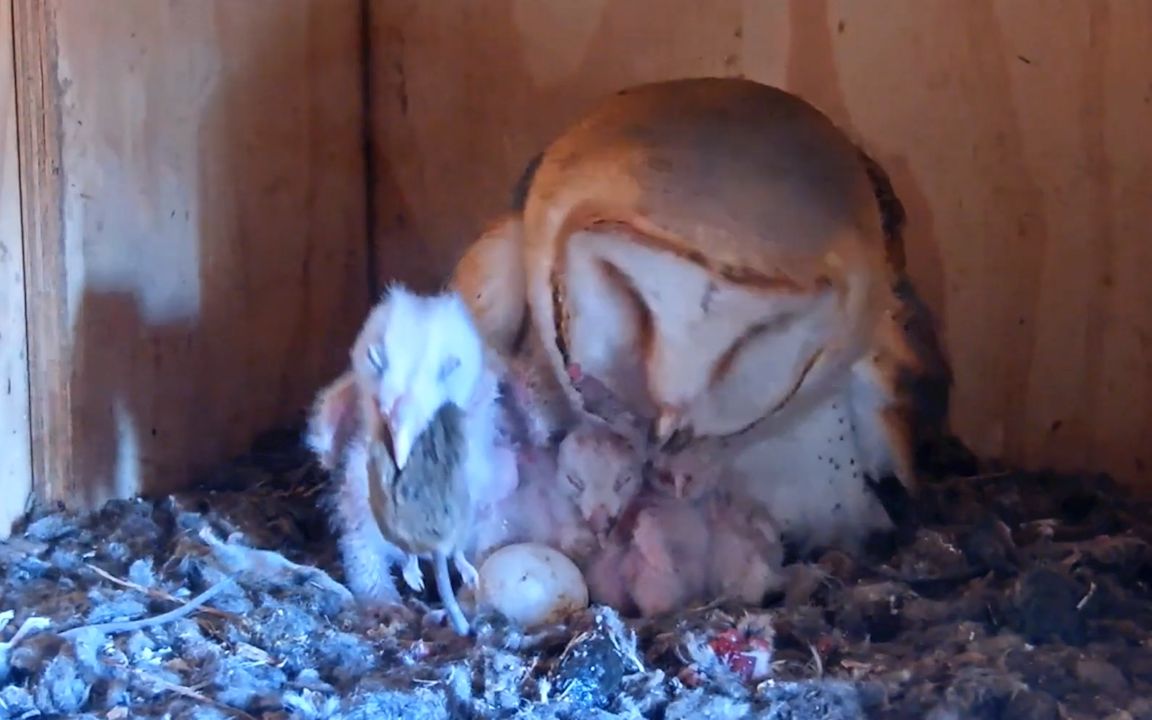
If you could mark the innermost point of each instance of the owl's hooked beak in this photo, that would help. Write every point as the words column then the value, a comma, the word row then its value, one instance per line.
column 668, row 432
column 600, row 521
column 400, row 436
column 401, row 444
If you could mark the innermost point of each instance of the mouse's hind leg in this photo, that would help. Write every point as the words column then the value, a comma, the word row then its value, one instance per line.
column 448, row 597
column 467, row 570
column 413, row 576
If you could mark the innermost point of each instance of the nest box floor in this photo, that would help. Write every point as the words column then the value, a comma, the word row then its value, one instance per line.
column 1022, row 595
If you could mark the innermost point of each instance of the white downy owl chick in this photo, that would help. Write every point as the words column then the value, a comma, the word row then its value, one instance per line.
column 602, row 473
column 367, row 557
column 415, row 355
column 693, row 475
column 745, row 551
column 567, row 496
column 541, row 510
column 537, row 510
column 747, row 554
column 668, row 565
column 417, row 352
column 668, row 559
column 656, row 558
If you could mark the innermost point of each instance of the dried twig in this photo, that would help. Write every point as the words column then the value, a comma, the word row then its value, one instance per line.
column 156, row 593
column 170, row 616
column 190, row 693
column 817, row 661
column 1084, row 600
column 40, row 624
column 29, row 626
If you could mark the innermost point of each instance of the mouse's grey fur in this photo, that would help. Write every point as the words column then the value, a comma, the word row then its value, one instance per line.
column 426, row 508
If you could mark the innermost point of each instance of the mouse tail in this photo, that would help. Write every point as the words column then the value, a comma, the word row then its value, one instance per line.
column 447, row 596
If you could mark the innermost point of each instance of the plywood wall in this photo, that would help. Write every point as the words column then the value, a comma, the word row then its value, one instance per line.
column 193, row 243
column 15, row 444
column 1017, row 133
column 195, row 210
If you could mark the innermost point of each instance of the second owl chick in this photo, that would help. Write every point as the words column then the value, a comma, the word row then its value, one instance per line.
column 686, row 538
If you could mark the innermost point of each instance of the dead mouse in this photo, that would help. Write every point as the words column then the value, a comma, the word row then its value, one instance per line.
column 427, row 509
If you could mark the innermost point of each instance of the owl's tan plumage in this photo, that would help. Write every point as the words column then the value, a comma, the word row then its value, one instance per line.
column 490, row 278
column 676, row 192
column 729, row 262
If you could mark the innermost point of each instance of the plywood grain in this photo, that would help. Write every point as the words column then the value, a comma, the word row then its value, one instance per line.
column 15, row 441
column 196, row 221
column 1017, row 133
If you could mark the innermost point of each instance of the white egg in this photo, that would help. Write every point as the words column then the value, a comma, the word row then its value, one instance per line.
column 531, row 584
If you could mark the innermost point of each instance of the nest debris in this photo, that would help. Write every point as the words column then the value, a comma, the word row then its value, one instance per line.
column 1020, row 595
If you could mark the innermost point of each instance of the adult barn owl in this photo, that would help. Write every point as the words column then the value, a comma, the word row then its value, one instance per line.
column 727, row 261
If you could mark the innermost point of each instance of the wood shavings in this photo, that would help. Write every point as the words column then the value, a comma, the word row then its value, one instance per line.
column 957, row 623
column 153, row 681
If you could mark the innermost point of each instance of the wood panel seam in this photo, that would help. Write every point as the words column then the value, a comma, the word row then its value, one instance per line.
column 24, row 238
column 368, row 149
column 38, row 131
column 16, row 465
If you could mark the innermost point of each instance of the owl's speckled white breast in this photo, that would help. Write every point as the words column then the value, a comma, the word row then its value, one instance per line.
column 811, row 474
